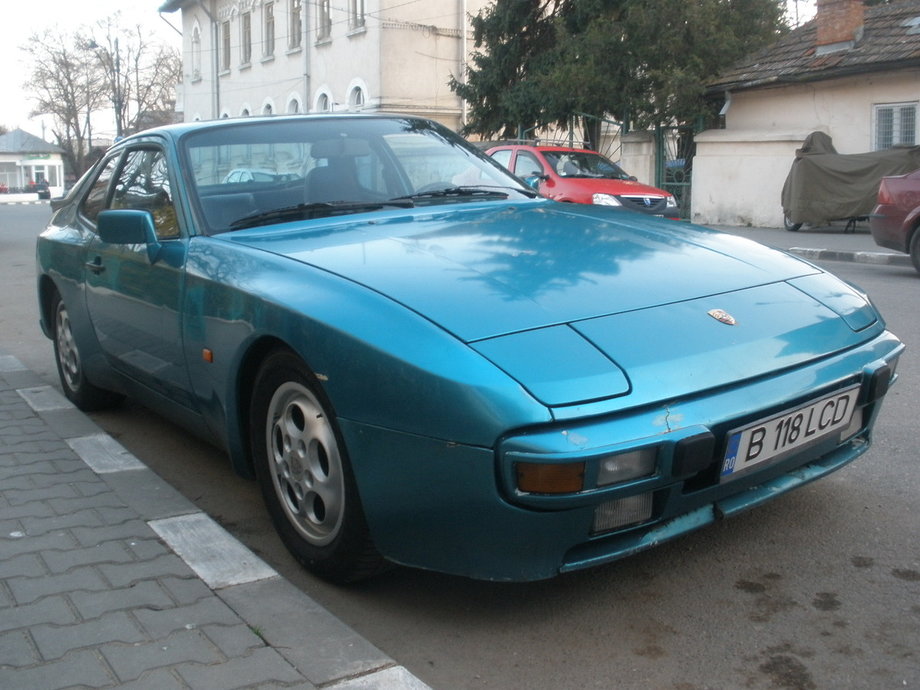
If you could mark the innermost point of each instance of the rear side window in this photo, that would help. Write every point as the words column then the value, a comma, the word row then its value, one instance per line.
column 95, row 199
column 503, row 157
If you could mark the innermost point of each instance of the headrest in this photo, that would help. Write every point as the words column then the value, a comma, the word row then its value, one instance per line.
column 343, row 146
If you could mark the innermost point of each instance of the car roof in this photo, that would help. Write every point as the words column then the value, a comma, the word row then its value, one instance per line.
column 179, row 129
column 489, row 145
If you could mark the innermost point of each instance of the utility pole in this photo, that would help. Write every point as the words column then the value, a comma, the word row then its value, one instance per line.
column 117, row 93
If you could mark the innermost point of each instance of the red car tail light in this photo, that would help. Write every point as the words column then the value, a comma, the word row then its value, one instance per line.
column 884, row 196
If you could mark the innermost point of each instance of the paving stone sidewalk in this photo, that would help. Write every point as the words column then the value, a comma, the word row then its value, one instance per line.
column 111, row 578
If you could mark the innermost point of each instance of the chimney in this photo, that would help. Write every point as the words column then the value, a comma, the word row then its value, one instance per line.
column 840, row 25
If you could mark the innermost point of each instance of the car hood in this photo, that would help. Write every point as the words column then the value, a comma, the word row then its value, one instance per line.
column 556, row 294
column 602, row 185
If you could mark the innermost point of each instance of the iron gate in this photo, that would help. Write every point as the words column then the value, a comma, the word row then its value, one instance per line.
column 674, row 149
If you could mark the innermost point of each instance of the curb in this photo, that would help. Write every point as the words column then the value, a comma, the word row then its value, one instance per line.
column 879, row 258
column 317, row 647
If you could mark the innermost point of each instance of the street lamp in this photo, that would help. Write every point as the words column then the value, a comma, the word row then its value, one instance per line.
column 116, row 84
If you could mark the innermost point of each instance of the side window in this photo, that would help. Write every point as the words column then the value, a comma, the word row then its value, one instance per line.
column 144, row 184
column 503, row 157
column 527, row 165
column 95, row 199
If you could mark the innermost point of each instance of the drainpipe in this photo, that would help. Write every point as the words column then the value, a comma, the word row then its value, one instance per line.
column 305, row 21
column 215, row 60
column 464, row 107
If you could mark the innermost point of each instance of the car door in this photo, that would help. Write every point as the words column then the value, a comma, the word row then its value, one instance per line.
column 134, row 301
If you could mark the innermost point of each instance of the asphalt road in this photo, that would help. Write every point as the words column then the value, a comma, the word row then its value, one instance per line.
column 819, row 589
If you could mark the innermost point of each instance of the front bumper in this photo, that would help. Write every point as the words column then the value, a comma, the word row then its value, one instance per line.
column 454, row 508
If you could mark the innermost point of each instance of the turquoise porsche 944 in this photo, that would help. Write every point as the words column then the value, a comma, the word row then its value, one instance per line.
column 425, row 363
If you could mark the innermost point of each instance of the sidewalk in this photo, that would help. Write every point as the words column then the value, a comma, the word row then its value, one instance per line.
column 110, row 578
column 826, row 243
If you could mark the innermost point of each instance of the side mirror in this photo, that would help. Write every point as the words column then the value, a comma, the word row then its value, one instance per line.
column 129, row 226
column 533, row 181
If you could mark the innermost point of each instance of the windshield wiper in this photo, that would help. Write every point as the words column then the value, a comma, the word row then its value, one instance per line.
column 459, row 192
column 320, row 209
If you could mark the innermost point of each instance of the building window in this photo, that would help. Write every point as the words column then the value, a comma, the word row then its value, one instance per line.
column 323, row 20
column 895, row 125
column 295, row 31
column 323, row 103
column 246, row 38
column 268, row 24
column 293, row 106
column 267, row 109
column 355, row 14
column 225, row 46
column 196, row 54
column 356, row 98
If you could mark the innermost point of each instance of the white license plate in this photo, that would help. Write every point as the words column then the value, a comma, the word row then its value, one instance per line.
column 770, row 438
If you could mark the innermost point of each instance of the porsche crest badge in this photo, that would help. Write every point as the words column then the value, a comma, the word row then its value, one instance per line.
column 722, row 316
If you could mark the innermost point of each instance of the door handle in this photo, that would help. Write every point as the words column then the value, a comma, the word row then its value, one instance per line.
column 95, row 265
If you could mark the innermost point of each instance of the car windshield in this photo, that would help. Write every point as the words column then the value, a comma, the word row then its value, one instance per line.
column 263, row 172
column 584, row 164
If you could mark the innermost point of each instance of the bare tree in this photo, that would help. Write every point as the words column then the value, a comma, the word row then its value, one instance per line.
column 141, row 76
column 76, row 75
column 66, row 84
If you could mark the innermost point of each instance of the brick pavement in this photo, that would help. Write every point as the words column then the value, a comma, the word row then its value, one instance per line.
column 110, row 578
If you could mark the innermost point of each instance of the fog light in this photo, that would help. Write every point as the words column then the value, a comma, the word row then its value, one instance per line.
column 622, row 512
column 626, row 466
column 550, row 478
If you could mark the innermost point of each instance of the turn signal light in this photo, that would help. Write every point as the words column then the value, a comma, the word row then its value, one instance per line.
column 550, row 478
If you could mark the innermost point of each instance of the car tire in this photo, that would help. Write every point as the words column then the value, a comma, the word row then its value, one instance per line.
column 915, row 249
column 305, row 475
column 77, row 388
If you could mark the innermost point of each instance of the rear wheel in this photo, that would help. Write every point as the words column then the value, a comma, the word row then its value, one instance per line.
column 76, row 387
column 305, row 474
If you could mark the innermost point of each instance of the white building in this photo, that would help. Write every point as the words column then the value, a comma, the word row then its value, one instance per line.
column 255, row 57
column 27, row 161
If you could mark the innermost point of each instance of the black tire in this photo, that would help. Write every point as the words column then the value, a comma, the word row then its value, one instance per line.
column 915, row 249
column 789, row 225
column 305, row 475
column 69, row 362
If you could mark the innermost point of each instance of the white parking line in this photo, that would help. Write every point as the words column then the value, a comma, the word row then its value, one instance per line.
column 104, row 454
column 215, row 556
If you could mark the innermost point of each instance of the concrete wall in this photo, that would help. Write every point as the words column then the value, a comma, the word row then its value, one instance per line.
column 638, row 155
column 738, row 176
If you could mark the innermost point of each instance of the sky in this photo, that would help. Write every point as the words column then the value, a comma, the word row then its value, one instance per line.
column 21, row 20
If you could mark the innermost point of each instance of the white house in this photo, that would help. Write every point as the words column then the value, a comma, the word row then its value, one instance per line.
column 853, row 73
column 255, row 57
column 26, row 160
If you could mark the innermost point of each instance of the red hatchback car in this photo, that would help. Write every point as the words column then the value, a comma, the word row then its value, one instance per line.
column 583, row 177
column 895, row 221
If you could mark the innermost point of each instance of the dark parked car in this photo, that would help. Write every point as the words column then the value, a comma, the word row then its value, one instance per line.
column 42, row 189
column 423, row 362
column 895, row 221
